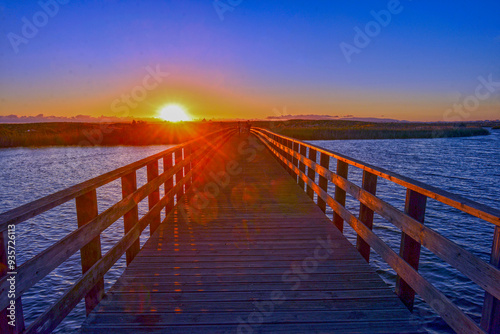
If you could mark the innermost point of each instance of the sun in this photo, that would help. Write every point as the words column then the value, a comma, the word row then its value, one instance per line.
column 174, row 113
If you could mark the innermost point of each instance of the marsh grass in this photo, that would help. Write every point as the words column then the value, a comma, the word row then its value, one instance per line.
column 141, row 134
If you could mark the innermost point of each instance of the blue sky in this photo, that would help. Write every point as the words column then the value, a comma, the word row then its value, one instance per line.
column 262, row 55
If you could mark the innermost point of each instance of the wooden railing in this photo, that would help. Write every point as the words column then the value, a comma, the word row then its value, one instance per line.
column 296, row 155
column 189, row 157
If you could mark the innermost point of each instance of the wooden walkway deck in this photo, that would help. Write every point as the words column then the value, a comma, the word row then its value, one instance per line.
column 260, row 257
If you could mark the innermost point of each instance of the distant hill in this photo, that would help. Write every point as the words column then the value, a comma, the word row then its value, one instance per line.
column 334, row 118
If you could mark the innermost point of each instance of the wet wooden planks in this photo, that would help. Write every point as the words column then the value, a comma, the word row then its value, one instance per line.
column 256, row 257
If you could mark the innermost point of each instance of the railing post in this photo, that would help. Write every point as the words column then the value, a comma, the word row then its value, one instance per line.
column 129, row 185
column 169, row 184
column 410, row 249
column 366, row 214
column 289, row 145
column 180, row 174
column 490, row 320
column 340, row 194
column 295, row 148
column 280, row 151
column 154, row 197
column 302, row 166
column 187, row 154
column 86, row 210
column 289, row 157
column 5, row 268
column 323, row 182
column 310, row 172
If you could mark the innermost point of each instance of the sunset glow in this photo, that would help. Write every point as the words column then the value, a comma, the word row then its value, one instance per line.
column 174, row 113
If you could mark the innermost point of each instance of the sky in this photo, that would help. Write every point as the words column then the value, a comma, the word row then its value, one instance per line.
column 408, row 60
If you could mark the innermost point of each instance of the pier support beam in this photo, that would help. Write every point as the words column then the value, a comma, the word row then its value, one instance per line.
column 169, row 184
column 311, row 174
column 129, row 185
column 366, row 214
column 86, row 210
column 340, row 194
column 490, row 320
column 410, row 249
column 154, row 197
column 323, row 182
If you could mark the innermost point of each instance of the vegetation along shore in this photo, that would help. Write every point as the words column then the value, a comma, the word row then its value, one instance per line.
column 141, row 133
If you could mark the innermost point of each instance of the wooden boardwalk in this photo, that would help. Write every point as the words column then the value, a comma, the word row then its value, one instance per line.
column 257, row 257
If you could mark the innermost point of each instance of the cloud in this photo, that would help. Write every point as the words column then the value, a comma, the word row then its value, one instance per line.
column 330, row 117
column 41, row 118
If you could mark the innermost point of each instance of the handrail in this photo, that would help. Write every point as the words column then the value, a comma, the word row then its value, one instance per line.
column 479, row 210
column 34, row 208
column 292, row 154
column 189, row 158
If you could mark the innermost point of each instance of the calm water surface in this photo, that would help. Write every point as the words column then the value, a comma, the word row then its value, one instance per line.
column 27, row 174
column 466, row 166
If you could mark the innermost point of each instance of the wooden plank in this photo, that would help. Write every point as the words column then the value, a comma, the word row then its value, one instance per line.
column 86, row 211
column 211, row 318
column 490, row 320
column 310, row 172
column 129, row 186
column 366, row 214
column 410, row 249
column 323, row 182
column 168, row 306
column 367, row 327
column 340, row 194
column 154, row 197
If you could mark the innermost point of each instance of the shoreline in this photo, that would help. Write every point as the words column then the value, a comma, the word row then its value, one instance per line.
column 38, row 135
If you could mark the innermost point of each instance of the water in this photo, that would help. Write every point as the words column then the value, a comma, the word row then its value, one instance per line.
column 28, row 174
column 466, row 166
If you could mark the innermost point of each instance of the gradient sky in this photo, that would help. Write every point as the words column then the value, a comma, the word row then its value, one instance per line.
column 264, row 58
